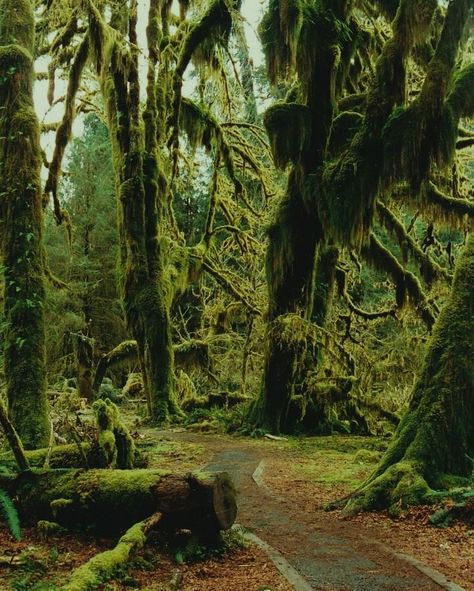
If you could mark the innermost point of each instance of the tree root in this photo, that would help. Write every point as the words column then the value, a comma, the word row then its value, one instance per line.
column 398, row 487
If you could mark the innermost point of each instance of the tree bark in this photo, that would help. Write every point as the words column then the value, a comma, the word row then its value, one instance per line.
column 21, row 222
column 434, row 443
column 14, row 441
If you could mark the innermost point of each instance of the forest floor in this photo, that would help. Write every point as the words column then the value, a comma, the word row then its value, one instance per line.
column 282, row 486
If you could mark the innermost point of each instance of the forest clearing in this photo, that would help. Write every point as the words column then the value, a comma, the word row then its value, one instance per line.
column 236, row 295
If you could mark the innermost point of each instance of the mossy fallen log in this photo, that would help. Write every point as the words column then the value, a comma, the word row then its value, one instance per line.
column 67, row 456
column 110, row 501
column 101, row 567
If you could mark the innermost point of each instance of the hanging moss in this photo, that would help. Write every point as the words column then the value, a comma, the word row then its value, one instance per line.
column 279, row 32
column 289, row 129
column 343, row 129
column 351, row 183
column 425, row 132
column 290, row 256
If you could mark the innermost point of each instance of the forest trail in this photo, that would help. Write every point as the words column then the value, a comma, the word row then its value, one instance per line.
column 329, row 553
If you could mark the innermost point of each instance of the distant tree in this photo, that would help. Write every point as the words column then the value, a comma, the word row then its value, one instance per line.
column 156, row 263
column 87, row 316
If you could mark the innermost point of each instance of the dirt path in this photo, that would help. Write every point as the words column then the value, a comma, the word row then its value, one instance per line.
column 330, row 554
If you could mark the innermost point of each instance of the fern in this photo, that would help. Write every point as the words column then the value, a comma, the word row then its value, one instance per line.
column 7, row 508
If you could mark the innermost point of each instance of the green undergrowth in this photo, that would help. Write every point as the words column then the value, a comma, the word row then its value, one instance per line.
column 219, row 420
column 188, row 549
column 162, row 453
column 342, row 461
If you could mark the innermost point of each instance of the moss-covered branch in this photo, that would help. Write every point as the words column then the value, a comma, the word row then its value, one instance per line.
column 448, row 208
column 101, row 567
column 429, row 269
column 230, row 285
column 342, row 287
column 63, row 132
column 406, row 282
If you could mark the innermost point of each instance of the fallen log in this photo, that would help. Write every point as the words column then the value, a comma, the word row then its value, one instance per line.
column 112, row 500
column 100, row 568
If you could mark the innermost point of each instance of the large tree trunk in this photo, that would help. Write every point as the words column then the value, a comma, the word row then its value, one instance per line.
column 299, row 134
column 142, row 199
column 21, row 227
column 435, row 437
column 113, row 500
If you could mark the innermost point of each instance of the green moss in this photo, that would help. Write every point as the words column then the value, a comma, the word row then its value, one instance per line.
column 289, row 128
column 114, row 437
column 64, row 456
column 401, row 486
column 21, row 228
column 48, row 529
column 100, row 568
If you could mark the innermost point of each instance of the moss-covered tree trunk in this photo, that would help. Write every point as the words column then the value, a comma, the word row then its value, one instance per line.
column 141, row 199
column 435, row 437
column 299, row 134
column 21, row 227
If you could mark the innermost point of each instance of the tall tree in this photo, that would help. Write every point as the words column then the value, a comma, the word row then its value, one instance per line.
column 156, row 263
column 351, row 144
column 435, row 438
column 21, row 226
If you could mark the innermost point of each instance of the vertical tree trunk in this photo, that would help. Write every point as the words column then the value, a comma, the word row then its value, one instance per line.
column 21, row 227
column 435, row 437
column 84, row 359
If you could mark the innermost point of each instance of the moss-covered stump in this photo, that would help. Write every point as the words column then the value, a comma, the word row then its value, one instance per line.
column 115, row 440
column 434, row 442
column 112, row 500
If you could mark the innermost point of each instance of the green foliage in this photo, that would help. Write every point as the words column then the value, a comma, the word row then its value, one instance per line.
column 87, row 257
column 191, row 549
column 10, row 514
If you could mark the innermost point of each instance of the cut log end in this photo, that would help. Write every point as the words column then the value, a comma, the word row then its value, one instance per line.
column 224, row 501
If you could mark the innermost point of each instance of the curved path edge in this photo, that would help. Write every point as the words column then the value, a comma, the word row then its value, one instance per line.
column 294, row 578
